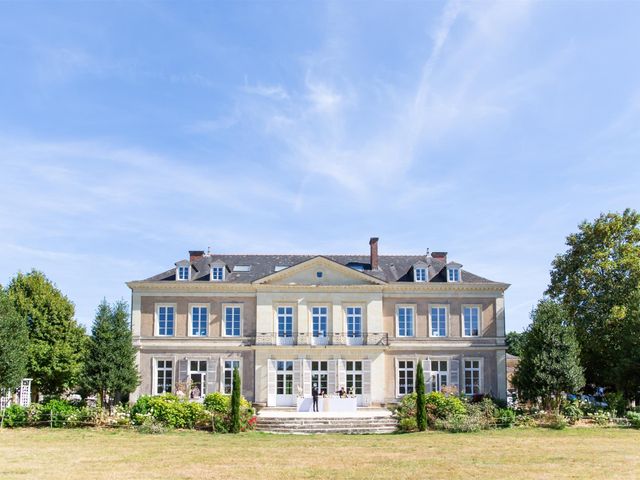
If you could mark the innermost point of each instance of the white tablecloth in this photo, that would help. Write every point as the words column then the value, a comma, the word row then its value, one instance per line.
column 328, row 404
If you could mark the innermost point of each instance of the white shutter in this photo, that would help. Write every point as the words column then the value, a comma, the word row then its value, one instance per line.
column 396, row 378
column 428, row 375
column 366, row 382
column 331, row 377
column 306, row 377
column 183, row 371
column 271, row 383
column 454, row 373
column 212, row 370
column 221, row 376
column 342, row 373
column 297, row 376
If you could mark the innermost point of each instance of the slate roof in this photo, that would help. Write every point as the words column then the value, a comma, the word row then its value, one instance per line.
column 392, row 268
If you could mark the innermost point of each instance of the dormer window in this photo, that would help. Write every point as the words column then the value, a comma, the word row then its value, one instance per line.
column 217, row 273
column 242, row 268
column 453, row 274
column 420, row 274
column 182, row 272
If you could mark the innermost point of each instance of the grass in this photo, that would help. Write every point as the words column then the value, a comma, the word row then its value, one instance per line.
column 516, row 453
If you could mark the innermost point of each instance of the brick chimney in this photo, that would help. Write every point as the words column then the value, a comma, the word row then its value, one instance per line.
column 373, row 243
column 440, row 256
column 195, row 255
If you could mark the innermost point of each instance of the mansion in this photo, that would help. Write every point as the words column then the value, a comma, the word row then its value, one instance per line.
column 358, row 322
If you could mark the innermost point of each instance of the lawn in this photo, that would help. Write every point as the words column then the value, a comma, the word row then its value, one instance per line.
column 517, row 453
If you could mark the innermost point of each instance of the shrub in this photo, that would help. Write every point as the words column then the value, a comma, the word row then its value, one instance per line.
column 634, row 419
column 459, row 423
column 441, row 407
column 408, row 424
column 616, row 403
column 553, row 420
column 505, row 417
column 219, row 407
column 149, row 425
column 15, row 416
column 601, row 418
column 572, row 411
column 56, row 413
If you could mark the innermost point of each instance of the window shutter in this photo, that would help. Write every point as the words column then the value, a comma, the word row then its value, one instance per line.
column 271, row 383
column 212, row 370
column 306, row 375
column 221, row 376
column 297, row 376
column 183, row 375
column 331, row 377
column 366, row 382
column 454, row 372
column 342, row 373
column 428, row 376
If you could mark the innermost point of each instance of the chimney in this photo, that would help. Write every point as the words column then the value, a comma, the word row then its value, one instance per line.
column 373, row 243
column 440, row 256
column 195, row 255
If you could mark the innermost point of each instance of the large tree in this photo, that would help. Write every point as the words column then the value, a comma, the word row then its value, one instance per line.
column 598, row 281
column 514, row 341
column 549, row 360
column 14, row 343
column 110, row 365
column 56, row 341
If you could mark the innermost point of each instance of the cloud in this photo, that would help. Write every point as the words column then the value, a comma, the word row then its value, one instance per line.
column 275, row 92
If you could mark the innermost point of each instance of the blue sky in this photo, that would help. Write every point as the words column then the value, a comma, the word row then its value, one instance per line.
column 131, row 132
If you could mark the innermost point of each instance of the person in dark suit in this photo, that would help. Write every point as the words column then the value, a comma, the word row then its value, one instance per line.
column 314, row 394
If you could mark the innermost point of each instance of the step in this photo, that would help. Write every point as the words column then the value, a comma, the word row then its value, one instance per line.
column 332, row 424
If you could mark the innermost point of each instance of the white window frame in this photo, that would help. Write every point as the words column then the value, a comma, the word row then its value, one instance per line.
column 224, row 318
column 156, row 327
column 415, row 274
column 286, row 373
column 454, row 272
column 203, row 391
column 413, row 319
column 413, row 375
column 328, row 316
column 436, row 373
column 320, row 373
column 462, row 331
column 277, row 322
column 446, row 320
column 223, row 377
column 355, row 373
column 178, row 267
column 154, row 387
column 480, row 369
column 217, row 266
column 198, row 305
column 353, row 340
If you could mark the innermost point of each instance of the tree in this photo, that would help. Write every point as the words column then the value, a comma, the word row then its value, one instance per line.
column 514, row 342
column 598, row 281
column 421, row 412
column 549, row 361
column 235, row 402
column 14, row 344
column 110, row 363
column 56, row 341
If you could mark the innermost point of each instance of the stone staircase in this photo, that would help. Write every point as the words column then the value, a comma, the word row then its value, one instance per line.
column 362, row 423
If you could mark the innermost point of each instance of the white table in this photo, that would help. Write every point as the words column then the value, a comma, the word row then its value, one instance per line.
column 328, row 404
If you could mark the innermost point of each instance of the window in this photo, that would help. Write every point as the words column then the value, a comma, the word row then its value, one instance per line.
column 354, row 322
column 319, row 317
column 197, row 375
column 420, row 274
column 232, row 320
column 354, row 377
column 284, row 377
column 319, row 274
column 405, row 377
column 320, row 376
column 439, row 375
column 438, row 321
column 453, row 274
column 164, row 376
column 405, row 321
column 183, row 273
column 229, row 365
column 472, row 377
column 199, row 321
column 471, row 317
column 242, row 268
column 217, row 273
column 165, row 320
column 357, row 267
column 279, row 268
column 285, row 322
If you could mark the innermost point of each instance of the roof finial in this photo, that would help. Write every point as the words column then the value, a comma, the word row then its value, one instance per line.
column 208, row 250
column 427, row 251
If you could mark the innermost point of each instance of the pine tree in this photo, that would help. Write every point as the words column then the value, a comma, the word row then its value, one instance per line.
column 110, row 368
column 549, row 364
column 14, row 344
column 421, row 413
column 235, row 402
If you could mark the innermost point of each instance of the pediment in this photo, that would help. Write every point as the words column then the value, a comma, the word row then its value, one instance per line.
column 319, row 271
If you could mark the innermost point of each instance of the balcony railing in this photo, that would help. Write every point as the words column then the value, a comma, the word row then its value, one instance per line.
column 369, row 338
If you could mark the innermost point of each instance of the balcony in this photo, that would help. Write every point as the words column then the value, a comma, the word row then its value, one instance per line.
column 368, row 339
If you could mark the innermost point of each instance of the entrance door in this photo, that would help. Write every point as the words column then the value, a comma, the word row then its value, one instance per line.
column 320, row 376
column 284, row 383
column 198, row 377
